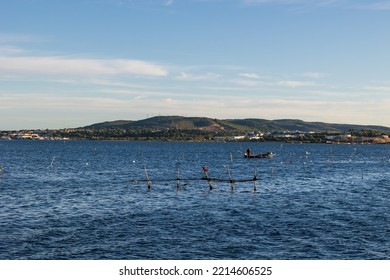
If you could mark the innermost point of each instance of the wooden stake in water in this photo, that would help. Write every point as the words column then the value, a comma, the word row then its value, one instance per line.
column 177, row 178
column 230, row 178
column 148, row 179
column 52, row 162
column 254, row 179
column 206, row 173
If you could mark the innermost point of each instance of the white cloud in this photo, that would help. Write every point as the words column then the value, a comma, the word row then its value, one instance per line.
column 248, row 79
column 47, row 65
column 294, row 84
column 243, row 82
column 249, row 75
column 198, row 77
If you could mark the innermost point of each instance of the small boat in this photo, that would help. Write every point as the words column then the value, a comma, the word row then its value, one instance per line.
column 266, row 155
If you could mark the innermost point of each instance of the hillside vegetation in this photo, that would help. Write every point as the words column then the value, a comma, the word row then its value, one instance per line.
column 233, row 125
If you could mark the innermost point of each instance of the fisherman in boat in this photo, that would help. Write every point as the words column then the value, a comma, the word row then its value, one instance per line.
column 248, row 152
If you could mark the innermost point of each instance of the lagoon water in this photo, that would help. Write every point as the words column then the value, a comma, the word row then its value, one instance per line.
column 80, row 200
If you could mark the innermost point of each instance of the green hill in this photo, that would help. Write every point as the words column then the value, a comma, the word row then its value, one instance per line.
column 164, row 122
column 232, row 125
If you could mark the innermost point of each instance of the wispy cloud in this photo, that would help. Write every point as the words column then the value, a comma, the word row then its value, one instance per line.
column 294, row 84
column 198, row 77
column 249, row 75
column 47, row 65
column 247, row 79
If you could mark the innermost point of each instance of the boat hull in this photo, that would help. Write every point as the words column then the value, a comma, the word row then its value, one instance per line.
column 266, row 155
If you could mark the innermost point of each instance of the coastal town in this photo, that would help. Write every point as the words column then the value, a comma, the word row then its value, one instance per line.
column 356, row 137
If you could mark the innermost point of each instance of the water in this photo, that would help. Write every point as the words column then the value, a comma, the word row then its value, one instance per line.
column 78, row 200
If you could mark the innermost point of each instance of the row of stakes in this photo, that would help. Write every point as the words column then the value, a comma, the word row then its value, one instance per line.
column 207, row 178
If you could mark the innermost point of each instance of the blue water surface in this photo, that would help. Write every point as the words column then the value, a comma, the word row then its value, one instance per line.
column 89, row 200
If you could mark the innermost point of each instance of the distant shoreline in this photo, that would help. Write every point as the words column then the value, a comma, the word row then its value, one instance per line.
column 201, row 129
column 359, row 141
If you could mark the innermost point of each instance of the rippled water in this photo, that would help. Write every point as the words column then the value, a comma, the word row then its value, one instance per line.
column 78, row 200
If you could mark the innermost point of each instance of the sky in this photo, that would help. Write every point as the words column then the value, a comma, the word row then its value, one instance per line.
column 71, row 63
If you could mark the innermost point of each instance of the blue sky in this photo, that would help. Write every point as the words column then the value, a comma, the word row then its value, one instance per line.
column 67, row 63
